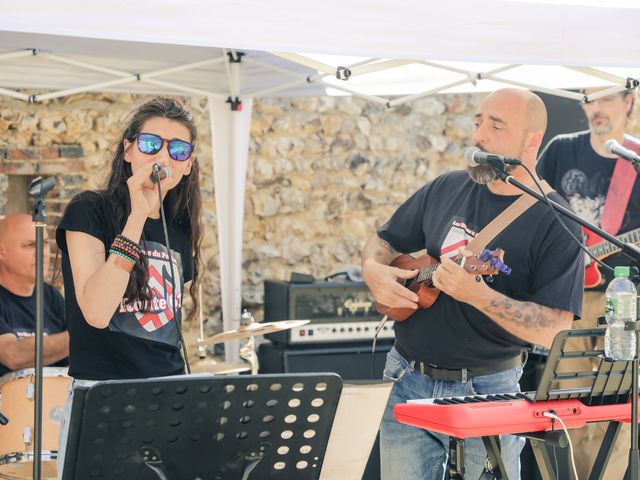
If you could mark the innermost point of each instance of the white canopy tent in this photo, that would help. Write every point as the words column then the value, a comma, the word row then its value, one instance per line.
column 238, row 50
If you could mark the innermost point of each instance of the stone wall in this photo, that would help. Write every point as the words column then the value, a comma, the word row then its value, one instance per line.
column 324, row 172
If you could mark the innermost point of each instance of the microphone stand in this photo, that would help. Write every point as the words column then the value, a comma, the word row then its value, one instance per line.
column 38, row 189
column 631, row 251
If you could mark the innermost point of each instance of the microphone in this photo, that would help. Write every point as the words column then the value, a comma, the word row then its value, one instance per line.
column 474, row 157
column 163, row 171
column 612, row 147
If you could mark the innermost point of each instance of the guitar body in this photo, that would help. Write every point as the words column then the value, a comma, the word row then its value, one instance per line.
column 592, row 276
column 427, row 294
column 422, row 285
column 598, row 246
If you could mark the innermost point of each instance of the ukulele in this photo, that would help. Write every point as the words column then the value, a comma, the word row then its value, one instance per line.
column 422, row 283
column 600, row 248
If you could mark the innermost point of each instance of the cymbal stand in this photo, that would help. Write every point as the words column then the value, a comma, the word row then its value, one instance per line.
column 201, row 350
column 248, row 350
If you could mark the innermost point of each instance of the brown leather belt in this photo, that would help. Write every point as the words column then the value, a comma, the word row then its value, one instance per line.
column 464, row 374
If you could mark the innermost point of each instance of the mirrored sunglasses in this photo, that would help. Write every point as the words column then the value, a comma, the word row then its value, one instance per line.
column 150, row 144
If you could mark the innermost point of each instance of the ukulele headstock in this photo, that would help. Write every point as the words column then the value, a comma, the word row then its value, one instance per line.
column 473, row 264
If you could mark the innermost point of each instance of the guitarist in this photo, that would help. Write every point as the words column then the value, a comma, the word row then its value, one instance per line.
column 472, row 339
column 606, row 191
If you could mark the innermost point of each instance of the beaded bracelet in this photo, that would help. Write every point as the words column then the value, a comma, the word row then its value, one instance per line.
column 121, row 239
column 127, row 252
column 124, row 251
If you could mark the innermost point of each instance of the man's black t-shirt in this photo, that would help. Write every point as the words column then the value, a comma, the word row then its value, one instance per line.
column 18, row 315
column 135, row 344
column 444, row 216
column 582, row 177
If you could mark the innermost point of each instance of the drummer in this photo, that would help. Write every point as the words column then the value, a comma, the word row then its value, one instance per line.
column 18, row 300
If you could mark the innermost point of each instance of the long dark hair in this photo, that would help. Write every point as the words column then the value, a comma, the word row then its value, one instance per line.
column 183, row 202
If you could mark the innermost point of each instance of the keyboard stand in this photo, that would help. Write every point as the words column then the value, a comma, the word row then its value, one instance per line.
column 494, row 467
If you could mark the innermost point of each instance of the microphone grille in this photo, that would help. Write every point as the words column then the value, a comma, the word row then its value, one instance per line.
column 469, row 153
column 610, row 145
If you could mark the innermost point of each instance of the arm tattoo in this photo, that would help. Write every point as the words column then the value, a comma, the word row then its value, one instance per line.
column 388, row 249
column 527, row 315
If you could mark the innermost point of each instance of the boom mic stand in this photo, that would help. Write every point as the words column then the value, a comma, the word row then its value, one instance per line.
column 631, row 251
column 38, row 189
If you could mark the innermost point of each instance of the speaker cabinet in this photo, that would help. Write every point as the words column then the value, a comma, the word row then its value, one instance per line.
column 351, row 362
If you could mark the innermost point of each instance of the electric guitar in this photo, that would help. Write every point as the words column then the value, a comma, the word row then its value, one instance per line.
column 422, row 283
column 601, row 249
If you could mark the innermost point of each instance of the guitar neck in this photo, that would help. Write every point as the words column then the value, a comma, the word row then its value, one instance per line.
column 605, row 249
column 426, row 273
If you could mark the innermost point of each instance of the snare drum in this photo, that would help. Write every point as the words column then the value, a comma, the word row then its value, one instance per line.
column 17, row 390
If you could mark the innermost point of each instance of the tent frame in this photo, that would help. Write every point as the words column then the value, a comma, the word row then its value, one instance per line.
column 230, row 115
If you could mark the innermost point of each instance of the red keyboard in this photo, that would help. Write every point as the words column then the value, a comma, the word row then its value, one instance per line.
column 486, row 415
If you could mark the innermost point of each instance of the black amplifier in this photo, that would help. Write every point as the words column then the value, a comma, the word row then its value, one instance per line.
column 340, row 311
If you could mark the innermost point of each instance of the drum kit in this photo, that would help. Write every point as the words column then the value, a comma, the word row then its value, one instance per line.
column 17, row 397
column 16, row 437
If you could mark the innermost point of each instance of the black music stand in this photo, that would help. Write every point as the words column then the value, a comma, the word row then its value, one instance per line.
column 611, row 383
column 202, row 427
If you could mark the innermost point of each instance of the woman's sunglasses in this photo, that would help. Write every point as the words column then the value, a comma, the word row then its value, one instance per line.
column 150, row 144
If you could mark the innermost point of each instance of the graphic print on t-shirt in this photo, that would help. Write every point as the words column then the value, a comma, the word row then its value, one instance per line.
column 155, row 324
column 458, row 236
column 581, row 195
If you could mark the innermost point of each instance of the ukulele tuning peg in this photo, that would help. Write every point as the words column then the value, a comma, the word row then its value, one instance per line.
column 489, row 279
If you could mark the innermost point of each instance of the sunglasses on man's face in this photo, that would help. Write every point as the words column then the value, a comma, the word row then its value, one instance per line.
column 150, row 144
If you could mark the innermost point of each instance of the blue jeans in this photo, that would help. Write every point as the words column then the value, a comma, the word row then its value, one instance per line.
column 64, row 426
column 410, row 453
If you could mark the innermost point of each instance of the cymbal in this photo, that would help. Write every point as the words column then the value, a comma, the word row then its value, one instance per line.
column 209, row 365
column 252, row 330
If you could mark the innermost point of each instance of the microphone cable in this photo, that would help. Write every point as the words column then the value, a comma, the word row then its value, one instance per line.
column 167, row 246
column 584, row 248
column 379, row 327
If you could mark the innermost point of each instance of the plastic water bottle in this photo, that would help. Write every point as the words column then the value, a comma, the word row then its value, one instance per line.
column 620, row 307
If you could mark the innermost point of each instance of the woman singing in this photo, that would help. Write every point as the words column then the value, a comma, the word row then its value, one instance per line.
column 120, row 287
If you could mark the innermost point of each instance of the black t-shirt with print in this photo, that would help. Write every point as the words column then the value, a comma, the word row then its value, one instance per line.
column 445, row 215
column 573, row 168
column 18, row 316
column 135, row 344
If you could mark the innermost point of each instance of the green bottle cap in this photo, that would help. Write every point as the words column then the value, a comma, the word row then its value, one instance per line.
column 621, row 272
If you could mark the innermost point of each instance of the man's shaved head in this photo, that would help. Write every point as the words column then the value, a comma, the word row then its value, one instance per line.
column 12, row 225
column 529, row 105
column 18, row 252
column 536, row 114
column 509, row 122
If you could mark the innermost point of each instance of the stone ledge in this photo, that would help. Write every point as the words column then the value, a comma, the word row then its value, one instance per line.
column 33, row 153
column 71, row 151
column 41, row 167
column 42, row 153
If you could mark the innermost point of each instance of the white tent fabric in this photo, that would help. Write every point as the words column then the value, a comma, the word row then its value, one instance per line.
column 493, row 31
column 192, row 47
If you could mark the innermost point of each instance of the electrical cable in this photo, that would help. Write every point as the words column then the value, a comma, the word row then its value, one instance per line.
column 553, row 416
column 382, row 323
column 173, row 275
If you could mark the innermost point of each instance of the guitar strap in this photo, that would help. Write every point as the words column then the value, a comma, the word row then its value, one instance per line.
column 619, row 193
column 498, row 224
